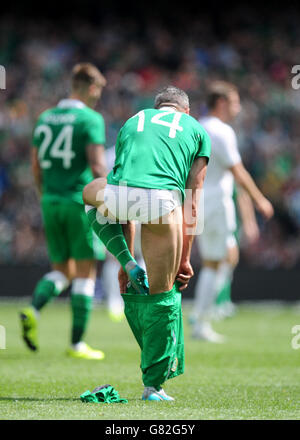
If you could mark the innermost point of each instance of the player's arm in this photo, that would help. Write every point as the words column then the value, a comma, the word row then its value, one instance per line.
column 95, row 141
column 243, row 178
column 190, row 207
column 96, row 159
column 36, row 169
column 247, row 215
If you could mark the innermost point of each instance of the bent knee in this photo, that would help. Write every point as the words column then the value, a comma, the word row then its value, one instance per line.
column 85, row 194
column 212, row 264
column 91, row 193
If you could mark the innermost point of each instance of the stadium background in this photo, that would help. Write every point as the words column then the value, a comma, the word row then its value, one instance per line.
column 139, row 49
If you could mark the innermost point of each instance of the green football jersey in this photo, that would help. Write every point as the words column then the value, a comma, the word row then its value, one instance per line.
column 61, row 135
column 156, row 149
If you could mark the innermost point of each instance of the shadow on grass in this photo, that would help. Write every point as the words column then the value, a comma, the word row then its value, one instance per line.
column 38, row 399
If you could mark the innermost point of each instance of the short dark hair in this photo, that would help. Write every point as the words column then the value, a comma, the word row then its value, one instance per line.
column 217, row 90
column 171, row 95
column 86, row 74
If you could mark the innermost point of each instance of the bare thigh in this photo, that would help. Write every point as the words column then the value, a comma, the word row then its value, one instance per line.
column 77, row 269
column 85, row 269
column 66, row 267
column 93, row 192
column 162, row 248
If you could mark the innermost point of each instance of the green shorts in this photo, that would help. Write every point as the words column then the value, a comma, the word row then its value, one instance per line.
column 68, row 233
column 156, row 322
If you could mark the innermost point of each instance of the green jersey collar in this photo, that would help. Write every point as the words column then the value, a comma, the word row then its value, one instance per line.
column 169, row 108
column 71, row 103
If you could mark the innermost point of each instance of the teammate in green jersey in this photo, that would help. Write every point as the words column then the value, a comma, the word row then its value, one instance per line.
column 67, row 152
column 161, row 159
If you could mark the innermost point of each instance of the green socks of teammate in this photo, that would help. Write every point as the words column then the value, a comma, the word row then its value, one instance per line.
column 81, row 310
column 111, row 234
column 51, row 285
column 82, row 295
column 43, row 293
column 156, row 322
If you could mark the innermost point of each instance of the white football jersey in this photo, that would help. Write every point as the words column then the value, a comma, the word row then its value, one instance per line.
column 110, row 156
column 219, row 180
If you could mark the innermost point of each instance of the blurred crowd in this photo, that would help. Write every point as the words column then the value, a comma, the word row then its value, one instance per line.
column 138, row 58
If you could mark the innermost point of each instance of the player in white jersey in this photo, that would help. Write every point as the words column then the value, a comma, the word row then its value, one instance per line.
column 218, row 245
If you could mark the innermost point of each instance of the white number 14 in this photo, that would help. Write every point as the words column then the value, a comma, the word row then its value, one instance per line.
column 157, row 119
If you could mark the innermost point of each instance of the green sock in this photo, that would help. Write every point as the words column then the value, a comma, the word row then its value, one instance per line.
column 43, row 293
column 81, row 310
column 111, row 234
column 225, row 294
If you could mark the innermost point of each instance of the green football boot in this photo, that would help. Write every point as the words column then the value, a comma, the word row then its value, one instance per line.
column 29, row 328
column 84, row 351
column 152, row 394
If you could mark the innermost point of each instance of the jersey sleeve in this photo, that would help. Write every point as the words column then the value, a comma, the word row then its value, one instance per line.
column 204, row 145
column 229, row 154
column 95, row 130
column 118, row 151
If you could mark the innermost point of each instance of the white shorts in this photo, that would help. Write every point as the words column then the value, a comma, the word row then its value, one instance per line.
column 218, row 233
column 144, row 205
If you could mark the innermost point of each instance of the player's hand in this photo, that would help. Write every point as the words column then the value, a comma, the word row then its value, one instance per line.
column 123, row 280
column 184, row 274
column 265, row 208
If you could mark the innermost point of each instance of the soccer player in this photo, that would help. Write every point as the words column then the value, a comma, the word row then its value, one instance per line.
column 160, row 153
column 67, row 152
column 218, row 244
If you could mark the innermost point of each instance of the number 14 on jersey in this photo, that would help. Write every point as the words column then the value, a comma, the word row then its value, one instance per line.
column 158, row 119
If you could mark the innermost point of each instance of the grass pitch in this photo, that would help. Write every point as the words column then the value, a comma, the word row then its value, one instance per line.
column 255, row 375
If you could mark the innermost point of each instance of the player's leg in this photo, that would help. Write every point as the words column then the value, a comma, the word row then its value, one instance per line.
column 110, row 231
column 219, row 270
column 115, row 303
column 93, row 193
column 110, row 272
column 161, row 248
column 213, row 251
column 224, row 305
column 223, row 297
column 53, row 282
column 156, row 319
column 81, row 245
column 205, row 292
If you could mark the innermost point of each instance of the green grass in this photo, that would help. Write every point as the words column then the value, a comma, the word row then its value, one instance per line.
column 255, row 375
